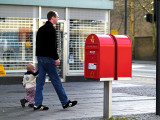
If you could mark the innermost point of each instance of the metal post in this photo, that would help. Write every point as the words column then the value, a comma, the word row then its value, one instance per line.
column 34, row 43
column 125, row 22
column 157, row 2
column 107, row 108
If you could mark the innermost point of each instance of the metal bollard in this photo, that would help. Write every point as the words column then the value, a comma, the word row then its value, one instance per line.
column 107, row 105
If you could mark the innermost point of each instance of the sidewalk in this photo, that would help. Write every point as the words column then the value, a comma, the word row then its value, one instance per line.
column 90, row 102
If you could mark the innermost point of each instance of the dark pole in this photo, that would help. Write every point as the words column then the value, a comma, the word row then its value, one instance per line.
column 125, row 23
column 157, row 5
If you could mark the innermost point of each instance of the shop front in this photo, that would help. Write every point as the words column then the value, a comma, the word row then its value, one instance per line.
column 19, row 25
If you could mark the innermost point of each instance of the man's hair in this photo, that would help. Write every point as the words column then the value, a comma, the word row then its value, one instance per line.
column 51, row 14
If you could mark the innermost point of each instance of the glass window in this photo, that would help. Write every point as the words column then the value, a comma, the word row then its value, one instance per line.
column 79, row 31
column 16, row 43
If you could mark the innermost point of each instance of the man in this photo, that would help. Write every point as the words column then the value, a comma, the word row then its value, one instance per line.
column 48, row 60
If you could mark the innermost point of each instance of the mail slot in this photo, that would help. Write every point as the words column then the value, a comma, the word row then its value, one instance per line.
column 99, row 57
column 123, row 57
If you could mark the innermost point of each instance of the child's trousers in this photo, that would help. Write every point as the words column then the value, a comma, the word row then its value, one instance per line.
column 30, row 93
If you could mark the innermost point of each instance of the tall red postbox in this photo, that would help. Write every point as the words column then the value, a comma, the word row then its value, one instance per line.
column 123, row 57
column 99, row 57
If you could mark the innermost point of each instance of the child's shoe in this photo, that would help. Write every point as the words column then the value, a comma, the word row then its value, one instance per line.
column 23, row 102
column 30, row 105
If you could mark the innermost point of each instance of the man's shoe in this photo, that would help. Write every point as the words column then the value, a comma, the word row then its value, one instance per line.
column 23, row 102
column 69, row 104
column 40, row 107
column 30, row 105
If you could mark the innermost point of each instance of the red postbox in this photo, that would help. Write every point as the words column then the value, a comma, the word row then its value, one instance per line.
column 123, row 57
column 99, row 57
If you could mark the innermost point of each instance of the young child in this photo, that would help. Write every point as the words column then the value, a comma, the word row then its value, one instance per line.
column 29, row 83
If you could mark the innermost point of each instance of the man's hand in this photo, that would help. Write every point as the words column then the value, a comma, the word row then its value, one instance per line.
column 57, row 62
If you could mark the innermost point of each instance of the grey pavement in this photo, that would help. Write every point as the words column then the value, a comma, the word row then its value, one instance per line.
column 135, row 99
column 128, row 99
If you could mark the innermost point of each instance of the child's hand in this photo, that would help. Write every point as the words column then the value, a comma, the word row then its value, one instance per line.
column 57, row 62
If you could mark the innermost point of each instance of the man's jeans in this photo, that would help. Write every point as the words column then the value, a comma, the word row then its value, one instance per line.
column 48, row 65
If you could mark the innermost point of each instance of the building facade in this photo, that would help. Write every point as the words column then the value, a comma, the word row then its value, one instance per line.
column 20, row 20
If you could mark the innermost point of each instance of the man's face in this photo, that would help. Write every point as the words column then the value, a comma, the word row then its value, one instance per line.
column 56, row 19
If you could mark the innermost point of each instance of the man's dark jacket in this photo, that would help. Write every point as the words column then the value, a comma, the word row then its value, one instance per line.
column 46, row 41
